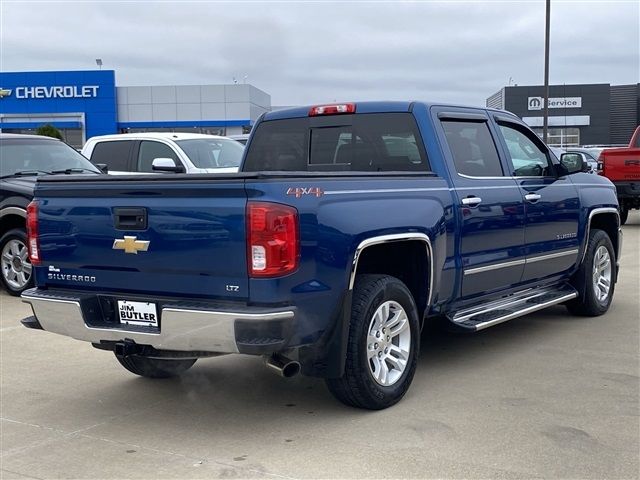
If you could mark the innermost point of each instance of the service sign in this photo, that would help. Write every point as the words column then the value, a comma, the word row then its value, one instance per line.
column 537, row 103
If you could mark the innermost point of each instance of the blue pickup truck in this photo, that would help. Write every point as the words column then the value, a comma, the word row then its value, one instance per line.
column 347, row 228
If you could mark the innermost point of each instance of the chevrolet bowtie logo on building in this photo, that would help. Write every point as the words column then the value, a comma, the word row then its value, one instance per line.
column 131, row 245
column 5, row 92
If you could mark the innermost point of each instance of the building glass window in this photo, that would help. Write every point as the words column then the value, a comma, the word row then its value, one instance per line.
column 561, row 137
column 71, row 136
column 208, row 130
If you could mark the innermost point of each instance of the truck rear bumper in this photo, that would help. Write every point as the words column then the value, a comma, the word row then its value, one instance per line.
column 628, row 189
column 183, row 326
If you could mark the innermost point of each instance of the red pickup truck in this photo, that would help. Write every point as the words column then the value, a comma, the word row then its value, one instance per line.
column 622, row 167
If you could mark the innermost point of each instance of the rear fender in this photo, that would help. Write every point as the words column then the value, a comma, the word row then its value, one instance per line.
column 327, row 357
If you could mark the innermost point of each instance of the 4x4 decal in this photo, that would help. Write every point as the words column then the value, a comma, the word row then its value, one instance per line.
column 300, row 191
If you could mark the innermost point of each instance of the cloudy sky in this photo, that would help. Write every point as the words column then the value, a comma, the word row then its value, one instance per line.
column 309, row 52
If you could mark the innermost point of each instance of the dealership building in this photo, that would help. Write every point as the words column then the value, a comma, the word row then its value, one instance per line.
column 589, row 114
column 82, row 104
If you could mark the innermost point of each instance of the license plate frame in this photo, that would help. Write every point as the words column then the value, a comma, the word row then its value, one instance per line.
column 141, row 314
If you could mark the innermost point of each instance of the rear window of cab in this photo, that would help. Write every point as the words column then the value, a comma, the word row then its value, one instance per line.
column 372, row 142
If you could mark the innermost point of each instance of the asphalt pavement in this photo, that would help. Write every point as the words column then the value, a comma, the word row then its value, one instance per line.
column 549, row 395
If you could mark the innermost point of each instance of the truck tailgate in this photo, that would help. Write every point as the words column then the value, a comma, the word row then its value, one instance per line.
column 621, row 164
column 93, row 236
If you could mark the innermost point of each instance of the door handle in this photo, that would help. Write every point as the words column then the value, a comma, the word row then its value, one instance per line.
column 471, row 201
column 532, row 197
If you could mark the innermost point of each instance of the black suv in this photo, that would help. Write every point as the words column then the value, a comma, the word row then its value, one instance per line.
column 24, row 158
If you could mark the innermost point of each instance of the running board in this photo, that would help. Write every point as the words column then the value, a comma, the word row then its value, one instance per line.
column 513, row 306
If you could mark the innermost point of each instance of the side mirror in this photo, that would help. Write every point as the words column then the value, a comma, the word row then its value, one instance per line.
column 166, row 165
column 103, row 167
column 573, row 163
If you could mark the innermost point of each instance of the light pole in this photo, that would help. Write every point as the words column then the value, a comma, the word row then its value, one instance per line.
column 545, row 115
column 99, row 63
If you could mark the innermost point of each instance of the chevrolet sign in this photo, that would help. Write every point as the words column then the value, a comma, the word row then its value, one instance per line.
column 62, row 91
column 5, row 92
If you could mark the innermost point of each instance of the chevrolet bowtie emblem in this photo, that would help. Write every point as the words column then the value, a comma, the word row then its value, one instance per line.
column 4, row 92
column 130, row 245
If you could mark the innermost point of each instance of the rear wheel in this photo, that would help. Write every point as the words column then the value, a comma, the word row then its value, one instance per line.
column 596, row 276
column 383, row 345
column 155, row 367
column 14, row 262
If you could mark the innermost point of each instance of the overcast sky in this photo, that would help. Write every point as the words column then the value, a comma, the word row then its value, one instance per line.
column 310, row 52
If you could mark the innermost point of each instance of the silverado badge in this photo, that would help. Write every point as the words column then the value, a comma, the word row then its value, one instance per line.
column 130, row 244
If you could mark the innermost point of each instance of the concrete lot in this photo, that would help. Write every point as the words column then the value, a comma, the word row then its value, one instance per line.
column 548, row 396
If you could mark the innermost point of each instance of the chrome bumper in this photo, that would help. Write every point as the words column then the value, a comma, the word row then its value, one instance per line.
column 181, row 329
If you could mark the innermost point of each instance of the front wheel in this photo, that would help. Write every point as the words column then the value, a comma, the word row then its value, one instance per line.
column 383, row 344
column 596, row 277
column 155, row 367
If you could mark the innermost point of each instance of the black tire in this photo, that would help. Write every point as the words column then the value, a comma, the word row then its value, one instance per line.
column 357, row 386
column 624, row 214
column 14, row 285
column 587, row 304
column 155, row 367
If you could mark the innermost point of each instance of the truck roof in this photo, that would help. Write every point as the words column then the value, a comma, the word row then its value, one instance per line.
column 156, row 136
column 369, row 107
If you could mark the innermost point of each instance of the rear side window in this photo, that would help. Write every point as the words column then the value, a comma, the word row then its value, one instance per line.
column 472, row 147
column 374, row 142
column 114, row 154
column 150, row 150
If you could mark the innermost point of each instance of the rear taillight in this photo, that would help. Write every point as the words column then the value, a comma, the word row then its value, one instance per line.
column 272, row 239
column 600, row 167
column 33, row 241
column 332, row 109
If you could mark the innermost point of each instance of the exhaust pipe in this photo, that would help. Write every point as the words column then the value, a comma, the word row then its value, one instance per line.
column 281, row 365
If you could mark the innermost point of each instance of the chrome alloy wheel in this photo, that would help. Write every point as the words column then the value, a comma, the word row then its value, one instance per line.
column 16, row 268
column 602, row 273
column 388, row 343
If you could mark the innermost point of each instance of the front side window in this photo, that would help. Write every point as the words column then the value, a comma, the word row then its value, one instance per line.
column 472, row 147
column 212, row 153
column 527, row 158
column 149, row 151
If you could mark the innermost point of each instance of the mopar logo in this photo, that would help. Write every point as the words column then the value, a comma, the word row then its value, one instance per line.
column 535, row 103
column 5, row 92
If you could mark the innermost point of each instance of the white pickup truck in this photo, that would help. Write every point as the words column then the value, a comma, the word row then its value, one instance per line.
column 164, row 152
